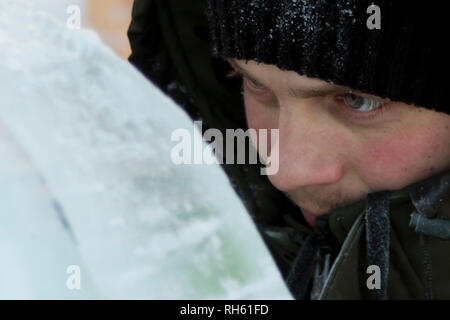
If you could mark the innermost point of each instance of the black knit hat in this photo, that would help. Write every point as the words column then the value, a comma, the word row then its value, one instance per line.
column 405, row 60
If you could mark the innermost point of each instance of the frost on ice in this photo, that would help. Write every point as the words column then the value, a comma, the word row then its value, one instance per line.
column 87, row 180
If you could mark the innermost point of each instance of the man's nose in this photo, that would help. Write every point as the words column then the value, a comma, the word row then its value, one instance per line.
column 309, row 146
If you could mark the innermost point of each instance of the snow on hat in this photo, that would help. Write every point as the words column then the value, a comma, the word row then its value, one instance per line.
column 333, row 40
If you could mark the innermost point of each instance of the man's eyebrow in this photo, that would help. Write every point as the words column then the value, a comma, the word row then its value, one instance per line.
column 320, row 91
column 305, row 92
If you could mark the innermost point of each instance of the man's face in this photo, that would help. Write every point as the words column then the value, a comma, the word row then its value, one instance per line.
column 337, row 145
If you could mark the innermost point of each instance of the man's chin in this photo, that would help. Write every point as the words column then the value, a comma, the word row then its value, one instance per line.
column 310, row 216
column 312, row 210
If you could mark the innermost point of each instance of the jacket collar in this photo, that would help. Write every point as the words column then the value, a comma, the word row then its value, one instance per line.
column 430, row 196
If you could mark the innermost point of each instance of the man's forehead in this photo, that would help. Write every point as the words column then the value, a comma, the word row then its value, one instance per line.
column 300, row 86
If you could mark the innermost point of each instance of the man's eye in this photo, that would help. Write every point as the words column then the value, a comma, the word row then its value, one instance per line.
column 361, row 104
column 255, row 84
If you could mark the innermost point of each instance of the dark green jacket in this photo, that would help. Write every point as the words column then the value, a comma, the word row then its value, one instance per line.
column 170, row 44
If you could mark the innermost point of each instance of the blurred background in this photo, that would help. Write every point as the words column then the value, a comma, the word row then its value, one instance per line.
column 110, row 18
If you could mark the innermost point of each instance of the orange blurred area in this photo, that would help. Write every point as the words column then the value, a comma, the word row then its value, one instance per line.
column 111, row 19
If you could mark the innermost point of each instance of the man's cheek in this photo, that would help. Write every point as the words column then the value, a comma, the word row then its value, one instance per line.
column 396, row 161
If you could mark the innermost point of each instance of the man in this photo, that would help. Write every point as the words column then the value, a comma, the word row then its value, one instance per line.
column 364, row 145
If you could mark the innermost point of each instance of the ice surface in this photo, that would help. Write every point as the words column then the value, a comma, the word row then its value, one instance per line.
column 86, row 179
